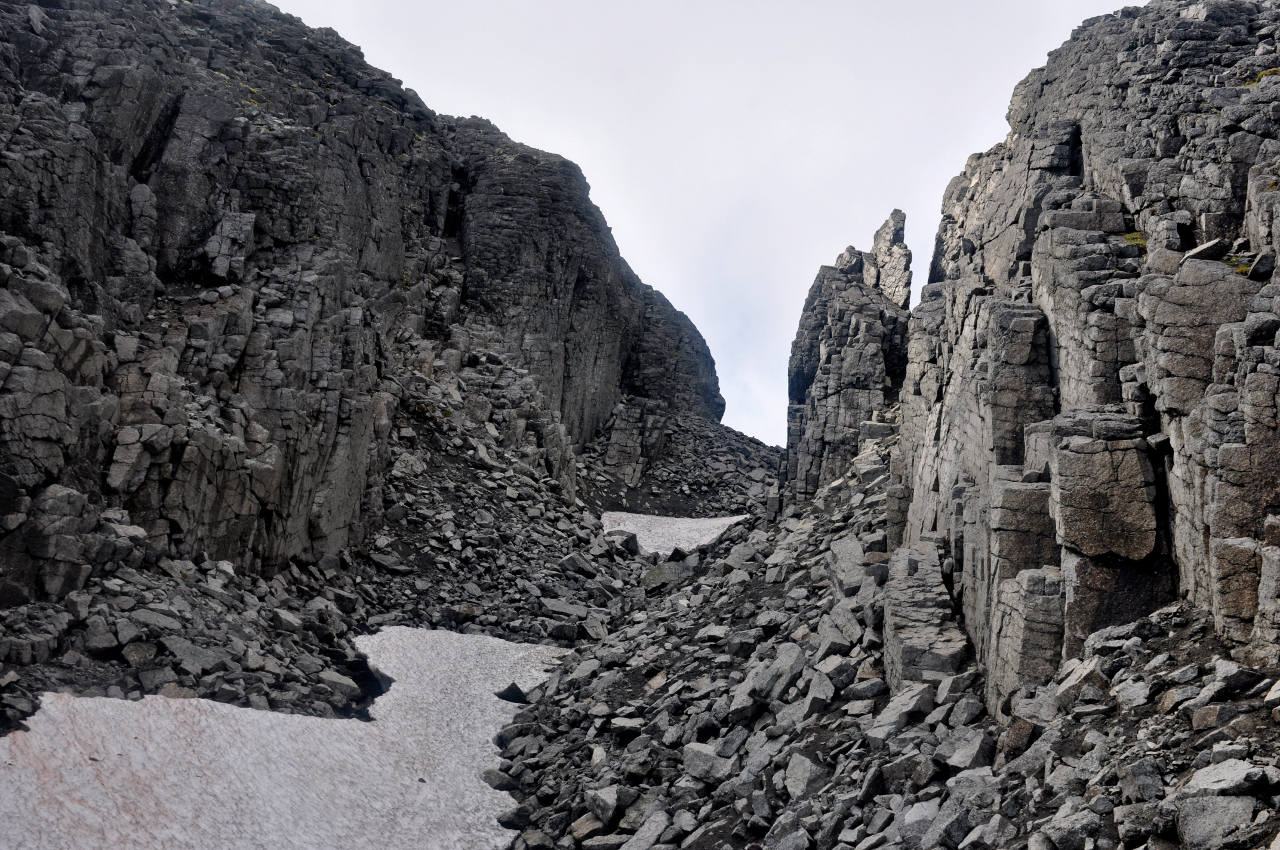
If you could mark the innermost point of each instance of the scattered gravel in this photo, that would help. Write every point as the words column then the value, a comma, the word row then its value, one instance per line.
column 159, row 773
column 661, row 534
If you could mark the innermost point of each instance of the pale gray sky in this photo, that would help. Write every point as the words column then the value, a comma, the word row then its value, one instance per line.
column 733, row 145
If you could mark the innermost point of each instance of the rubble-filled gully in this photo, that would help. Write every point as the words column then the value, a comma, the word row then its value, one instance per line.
column 790, row 695
column 256, row 421
column 111, row 773
column 770, row 689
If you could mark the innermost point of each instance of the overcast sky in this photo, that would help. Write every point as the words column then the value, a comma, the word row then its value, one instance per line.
column 733, row 145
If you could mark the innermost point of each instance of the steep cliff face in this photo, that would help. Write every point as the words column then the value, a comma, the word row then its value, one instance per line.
column 227, row 245
column 847, row 359
column 1089, row 420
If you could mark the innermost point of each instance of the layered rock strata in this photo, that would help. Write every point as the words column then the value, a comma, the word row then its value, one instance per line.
column 228, row 246
column 1089, row 395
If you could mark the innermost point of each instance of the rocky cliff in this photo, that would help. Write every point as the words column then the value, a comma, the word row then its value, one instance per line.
column 1024, row 591
column 1089, row 409
column 287, row 358
column 848, row 358
column 229, row 251
column 1040, row 612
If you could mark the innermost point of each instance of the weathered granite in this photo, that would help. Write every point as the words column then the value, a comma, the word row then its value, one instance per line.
column 1102, row 496
column 1028, row 629
column 922, row 641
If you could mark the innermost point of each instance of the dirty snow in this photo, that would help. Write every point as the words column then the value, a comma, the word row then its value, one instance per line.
column 661, row 534
column 164, row 773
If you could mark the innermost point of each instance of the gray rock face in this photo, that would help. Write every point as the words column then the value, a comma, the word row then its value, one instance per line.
column 847, row 358
column 922, row 642
column 654, row 458
column 1084, row 426
column 1102, row 494
column 1209, row 822
column 229, row 247
column 958, row 634
column 891, row 271
column 1089, row 395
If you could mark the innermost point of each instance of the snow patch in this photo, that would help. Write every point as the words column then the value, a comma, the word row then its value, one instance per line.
column 661, row 534
column 163, row 773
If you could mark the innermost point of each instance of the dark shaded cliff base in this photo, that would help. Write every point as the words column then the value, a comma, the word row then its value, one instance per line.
column 473, row 540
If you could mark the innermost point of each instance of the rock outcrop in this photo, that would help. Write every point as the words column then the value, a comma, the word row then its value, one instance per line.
column 1024, row 571
column 848, row 358
column 1089, row 394
column 800, row 687
column 230, row 250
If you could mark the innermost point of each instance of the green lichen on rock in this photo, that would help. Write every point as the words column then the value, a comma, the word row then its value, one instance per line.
column 1262, row 75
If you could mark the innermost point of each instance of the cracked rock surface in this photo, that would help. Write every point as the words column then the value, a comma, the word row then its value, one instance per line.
column 229, row 249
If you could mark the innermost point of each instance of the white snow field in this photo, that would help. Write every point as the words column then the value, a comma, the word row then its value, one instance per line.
column 186, row 773
column 661, row 534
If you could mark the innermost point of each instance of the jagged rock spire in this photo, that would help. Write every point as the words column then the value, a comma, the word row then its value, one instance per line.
column 887, row 267
column 847, row 358
column 893, row 259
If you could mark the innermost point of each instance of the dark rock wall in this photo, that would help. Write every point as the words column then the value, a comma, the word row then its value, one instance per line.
column 541, row 261
column 847, row 359
column 1091, row 394
column 227, row 244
